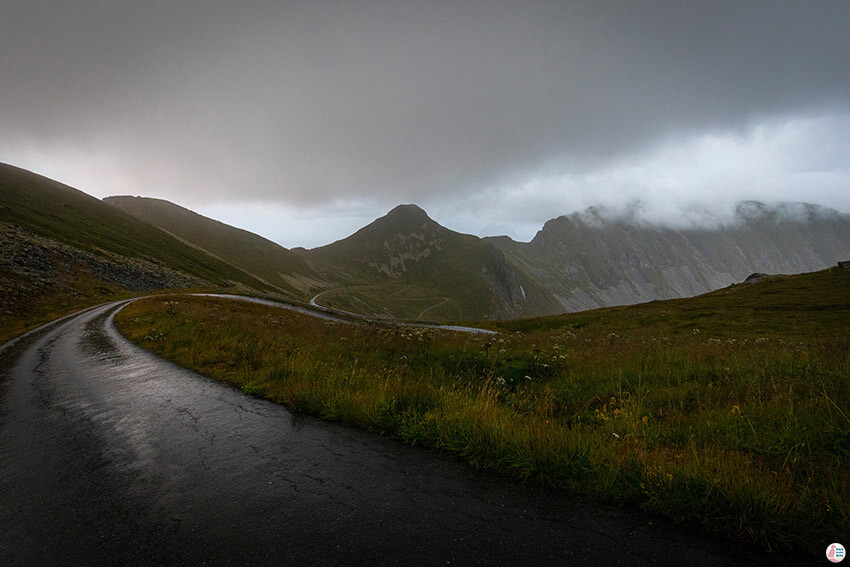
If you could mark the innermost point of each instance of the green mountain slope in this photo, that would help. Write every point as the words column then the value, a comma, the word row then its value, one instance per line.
column 405, row 262
column 62, row 250
column 50, row 209
column 263, row 259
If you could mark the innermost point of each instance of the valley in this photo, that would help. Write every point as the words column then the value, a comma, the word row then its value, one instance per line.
column 349, row 284
column 721, row 410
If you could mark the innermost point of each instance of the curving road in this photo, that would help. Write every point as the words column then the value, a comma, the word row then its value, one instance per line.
column 427, row 309
column 112, row 456
column 320, row 294
column 327, row 313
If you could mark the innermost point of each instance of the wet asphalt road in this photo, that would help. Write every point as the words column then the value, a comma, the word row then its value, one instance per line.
column 112, row 456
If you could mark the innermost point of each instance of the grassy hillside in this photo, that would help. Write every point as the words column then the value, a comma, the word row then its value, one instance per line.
column 62, row 250
column 405, row 262
column 812, row 304
column 726, row 411
column 273, row 264
column 48, row 208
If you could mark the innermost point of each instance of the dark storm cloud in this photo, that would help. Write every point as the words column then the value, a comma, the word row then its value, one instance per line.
column 311, row 102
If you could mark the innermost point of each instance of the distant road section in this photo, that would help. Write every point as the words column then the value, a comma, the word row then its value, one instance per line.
column 458, row 328
column 112, row 456
column 318, row 295
column 427, row 309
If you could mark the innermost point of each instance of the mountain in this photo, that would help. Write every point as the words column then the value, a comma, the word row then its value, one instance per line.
column 62, row 248
column 807, row 304
column 407, row 264
column 65, row 244
column 51, row 209
column 593, row 259
column 274, row 265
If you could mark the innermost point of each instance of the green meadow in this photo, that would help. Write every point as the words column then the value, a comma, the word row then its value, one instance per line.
column 730, row 410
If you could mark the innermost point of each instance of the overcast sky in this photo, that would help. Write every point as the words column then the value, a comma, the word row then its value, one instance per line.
column 304, row 120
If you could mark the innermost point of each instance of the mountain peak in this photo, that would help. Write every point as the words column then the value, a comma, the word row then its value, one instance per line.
column 407, row 213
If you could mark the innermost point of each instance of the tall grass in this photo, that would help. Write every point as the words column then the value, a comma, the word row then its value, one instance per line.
column 745, row 434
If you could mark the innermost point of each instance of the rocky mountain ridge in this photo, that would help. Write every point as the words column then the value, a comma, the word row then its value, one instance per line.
column 590, row 260
column 407, row 265
column 417, row 258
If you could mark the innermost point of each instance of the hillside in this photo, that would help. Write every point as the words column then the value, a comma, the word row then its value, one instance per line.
column 263, row 259
column 407, row 264
column 591, row 260
column 815, row 304
column 45, row 207
column 63, row 249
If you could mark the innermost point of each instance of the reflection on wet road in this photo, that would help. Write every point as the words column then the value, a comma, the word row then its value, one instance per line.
column 109, row 455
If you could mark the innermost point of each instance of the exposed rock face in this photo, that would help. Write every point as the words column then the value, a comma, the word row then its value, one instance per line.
column 45, row 259
column 31, row 265
column 754, row 278
column 589, row 260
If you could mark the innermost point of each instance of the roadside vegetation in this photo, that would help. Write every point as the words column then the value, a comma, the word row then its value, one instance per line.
column 42, row 279
column 730, row 410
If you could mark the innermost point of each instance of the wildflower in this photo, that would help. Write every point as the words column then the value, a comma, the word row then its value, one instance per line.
column 500, row 381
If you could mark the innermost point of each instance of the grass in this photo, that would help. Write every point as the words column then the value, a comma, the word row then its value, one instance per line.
column 42, row 306
column 728, row 411
column 50, row 209
column 258, row 256
column 390, row 300
column 38, row 309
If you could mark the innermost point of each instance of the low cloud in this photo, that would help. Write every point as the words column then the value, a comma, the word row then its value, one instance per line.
column 686, row 181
